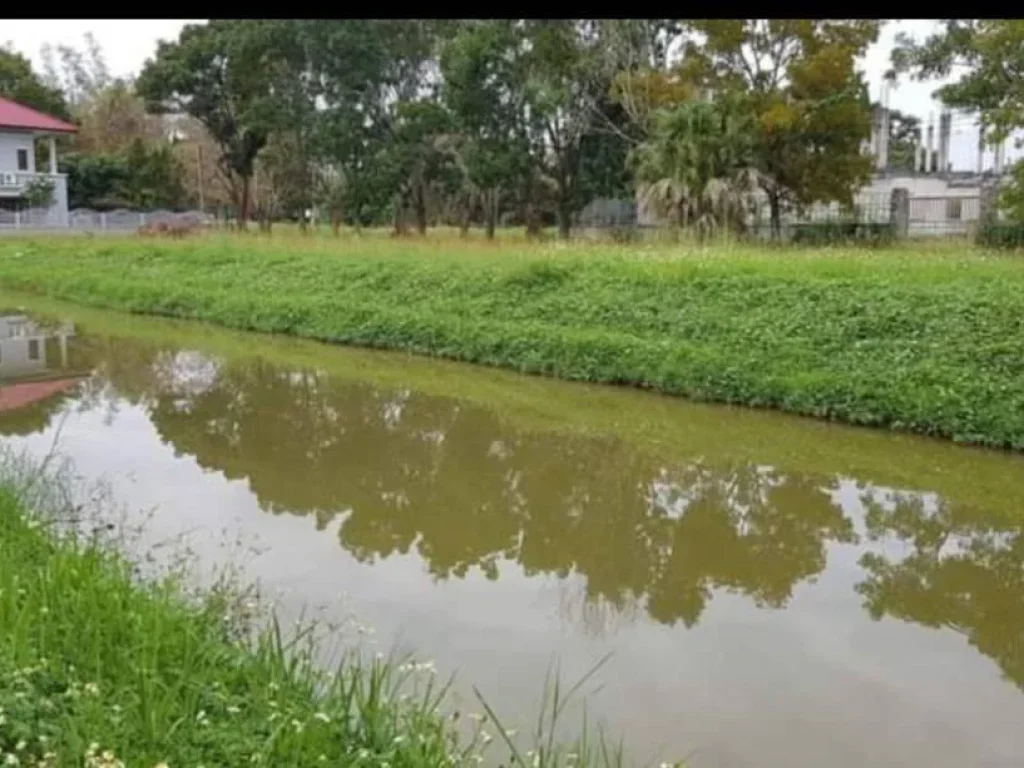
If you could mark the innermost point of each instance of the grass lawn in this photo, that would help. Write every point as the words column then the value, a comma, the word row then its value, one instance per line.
column 928, row 339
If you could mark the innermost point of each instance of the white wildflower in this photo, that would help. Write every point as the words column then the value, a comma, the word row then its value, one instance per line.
column 322, row 717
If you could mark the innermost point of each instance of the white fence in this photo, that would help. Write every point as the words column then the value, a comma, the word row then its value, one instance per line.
column 85, row 220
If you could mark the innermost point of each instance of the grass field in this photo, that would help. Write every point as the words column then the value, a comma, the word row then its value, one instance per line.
column 102, row 668
column 926, row 339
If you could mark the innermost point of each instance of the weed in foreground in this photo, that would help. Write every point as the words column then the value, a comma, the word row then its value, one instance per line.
column 101, row 666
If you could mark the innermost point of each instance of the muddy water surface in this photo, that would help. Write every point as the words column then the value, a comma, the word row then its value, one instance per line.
column 774, row 591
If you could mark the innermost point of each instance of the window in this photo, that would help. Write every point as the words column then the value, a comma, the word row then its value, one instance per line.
column 22, row 159
column 33, row 349
column 954, row 208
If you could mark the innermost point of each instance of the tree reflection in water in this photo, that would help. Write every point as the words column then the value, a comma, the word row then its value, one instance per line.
column 640, row 536
column 965, row 571
column 466, row 491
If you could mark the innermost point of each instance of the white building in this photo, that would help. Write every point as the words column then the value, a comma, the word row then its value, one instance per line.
column 23, row 348
column 942, row 201
column 20, row 128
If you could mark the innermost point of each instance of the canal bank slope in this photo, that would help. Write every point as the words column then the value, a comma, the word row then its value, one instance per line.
column 102, row 668
column 923, row 342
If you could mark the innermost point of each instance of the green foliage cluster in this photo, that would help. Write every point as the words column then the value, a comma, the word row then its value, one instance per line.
column 19, row 83
column 139, row 176
column 1004, row 235
column 928, row 344
column 523, row 121
column 38, row 193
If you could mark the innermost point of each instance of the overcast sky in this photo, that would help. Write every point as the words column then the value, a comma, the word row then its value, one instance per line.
column 128, row 43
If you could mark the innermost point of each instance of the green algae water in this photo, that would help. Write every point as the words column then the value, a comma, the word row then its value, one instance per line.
column 772, row 590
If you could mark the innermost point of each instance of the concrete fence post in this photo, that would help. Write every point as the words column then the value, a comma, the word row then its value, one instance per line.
column 899, row 211
column 103, row 221
column 988, row 204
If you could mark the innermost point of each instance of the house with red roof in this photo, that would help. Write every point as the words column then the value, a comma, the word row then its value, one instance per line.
column 20, row 129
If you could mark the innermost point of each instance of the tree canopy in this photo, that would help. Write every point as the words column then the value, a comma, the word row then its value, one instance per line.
column 18, row 82
column 988, row 55
column 427, row 122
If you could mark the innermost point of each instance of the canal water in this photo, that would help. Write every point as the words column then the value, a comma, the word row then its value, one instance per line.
column 772, row 590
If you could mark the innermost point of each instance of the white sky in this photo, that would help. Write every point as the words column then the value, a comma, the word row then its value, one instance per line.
column 127, row 43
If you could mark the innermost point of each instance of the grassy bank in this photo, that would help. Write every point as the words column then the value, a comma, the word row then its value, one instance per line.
column 928, row 342
column 670, row 428
column 100, row 668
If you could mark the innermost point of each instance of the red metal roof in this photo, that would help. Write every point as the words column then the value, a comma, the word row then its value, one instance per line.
column 19, row 395
column 15, row 115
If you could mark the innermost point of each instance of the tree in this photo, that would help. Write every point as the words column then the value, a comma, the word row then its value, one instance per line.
column 643, row 75
column 990, row 52
column 208, row 184
column 112, row 118
column 224, row 74
column 418, row 155
column 564, row 85
column 331, row 191
column 482, row 88
column 80, row 75
column 19, row 83
column 138, row 176
column 96, row 181
column 154, row 178
column 904, row 139
column 38, row 193
column 799, row 80
column 990, row 55
column 697, row 166
column 364, row 72
column 1011, row 197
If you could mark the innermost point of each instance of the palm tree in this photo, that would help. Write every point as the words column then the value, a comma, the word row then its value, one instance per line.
column 695, row 169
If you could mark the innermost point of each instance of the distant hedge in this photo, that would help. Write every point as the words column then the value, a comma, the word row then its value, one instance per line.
column 1001, row 235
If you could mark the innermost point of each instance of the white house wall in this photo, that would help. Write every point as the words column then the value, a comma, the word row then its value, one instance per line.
column 10, row 143
column 14, row 356
column 56, row 216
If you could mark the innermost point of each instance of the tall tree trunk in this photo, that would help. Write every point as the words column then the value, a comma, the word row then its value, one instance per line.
column 775, row 206
column 533, row 221
column 491, row 204
column 530, row 215
column 400, row 223
column 420, row 203
column 564, row 220
column 336, row 219
column 243, row 207
column 465, row 215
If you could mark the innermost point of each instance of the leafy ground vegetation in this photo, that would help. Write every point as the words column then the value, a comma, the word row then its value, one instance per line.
column 104, row 667
column 924, row 341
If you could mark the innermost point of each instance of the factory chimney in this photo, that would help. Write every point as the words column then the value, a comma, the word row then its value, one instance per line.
column 945, row 132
